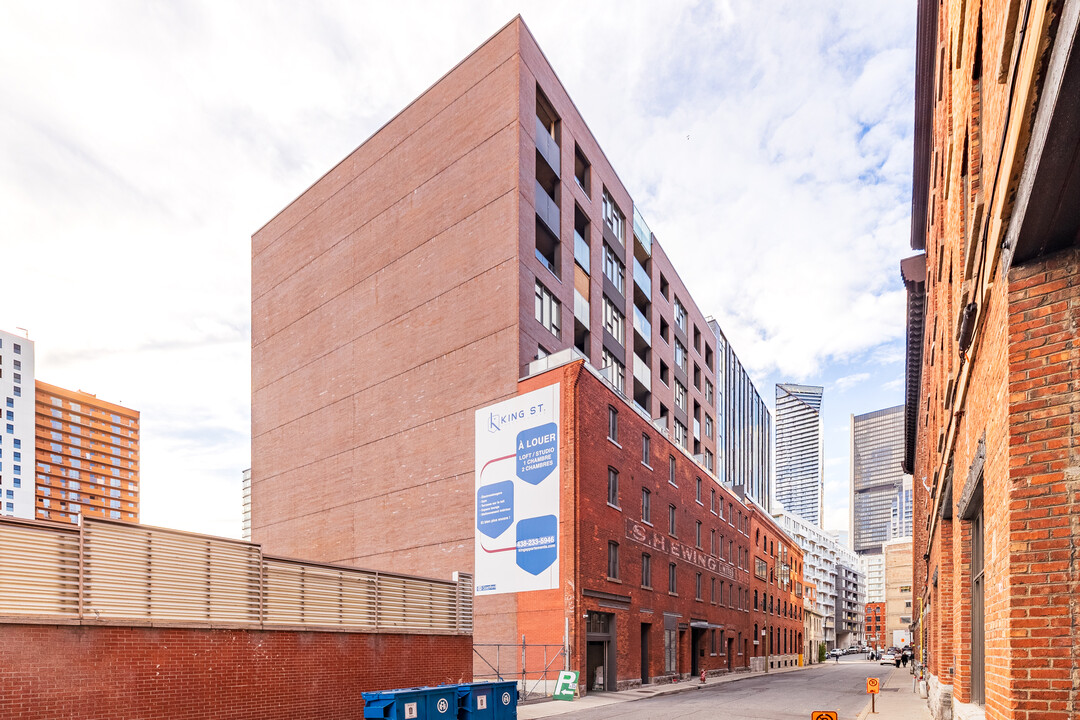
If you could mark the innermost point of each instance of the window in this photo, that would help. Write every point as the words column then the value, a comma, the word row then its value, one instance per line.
column 613, row 217
column 680, row 355
column 614, row 270
column 613, row 487
column 697, row 489
column 547, row 309
column 613, row 560
column 712, row 592
column 612, row 424
column 761, row 569
column 680, row 396
column 646, row 570
column 671, row 520
column 712, row 500
column 712, row 541
column 680, row 434
column 709, row 461
column 672, row 585
column 708, row 426
column 671, row 469
column 697, row 534
column 708, row 392
column 615, row 371
column 680, row 315
column 697, row 586
column 646, row 505
column 645, row 454
column 18, row 365
column 614, row 321
column 18, row 348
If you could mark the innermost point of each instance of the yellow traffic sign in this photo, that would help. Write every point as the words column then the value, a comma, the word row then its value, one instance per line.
column 873, row 685
column 823, row 715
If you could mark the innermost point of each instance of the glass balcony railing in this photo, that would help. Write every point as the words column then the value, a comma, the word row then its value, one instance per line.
column 581, row 309
column 642, row 279
column 642, row 373
column 547, row 146
column 642, row 232
column 581, row 252
column 547, row 209
column 642, row 326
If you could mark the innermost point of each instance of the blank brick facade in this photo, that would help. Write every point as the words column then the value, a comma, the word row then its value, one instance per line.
column 62, row 672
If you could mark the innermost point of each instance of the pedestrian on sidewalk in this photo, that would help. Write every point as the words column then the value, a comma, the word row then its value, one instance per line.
column 898, row 656
column 904, row 658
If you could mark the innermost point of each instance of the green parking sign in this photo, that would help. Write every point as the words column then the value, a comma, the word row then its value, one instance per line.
column 566, row 685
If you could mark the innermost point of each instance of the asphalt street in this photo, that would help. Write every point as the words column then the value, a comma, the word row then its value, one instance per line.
column 793, row 695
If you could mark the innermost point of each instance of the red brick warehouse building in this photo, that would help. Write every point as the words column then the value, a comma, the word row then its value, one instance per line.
column 993, row 395
column 481, row 228
column 875, row 625
column 777, row 585
column 654, row 574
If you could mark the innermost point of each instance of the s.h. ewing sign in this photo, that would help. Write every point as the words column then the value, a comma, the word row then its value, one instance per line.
column 660, row 542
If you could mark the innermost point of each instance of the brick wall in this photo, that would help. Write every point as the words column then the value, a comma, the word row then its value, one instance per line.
column 1043, row 663
column 51, row 672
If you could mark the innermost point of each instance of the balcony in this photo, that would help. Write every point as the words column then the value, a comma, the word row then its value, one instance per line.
column 642, row 233
column 581, row 309
column 642, row 326
column 547, row 210
column 642, row 374
column 581, row 252
column 642, row 279
column 547, row 146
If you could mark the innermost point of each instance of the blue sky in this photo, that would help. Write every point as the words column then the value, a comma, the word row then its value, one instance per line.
column 768, row 145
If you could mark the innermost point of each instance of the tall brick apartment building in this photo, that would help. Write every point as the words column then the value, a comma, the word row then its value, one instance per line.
column 478, row 230
column 993, row 401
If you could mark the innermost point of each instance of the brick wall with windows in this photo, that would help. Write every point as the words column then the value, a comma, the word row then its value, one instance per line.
column 54, row 672
column 776, row 586
column 618, row 504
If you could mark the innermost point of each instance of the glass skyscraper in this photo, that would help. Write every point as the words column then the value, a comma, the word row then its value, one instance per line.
column 743, row 425
column 800, row 451
column 880, row 503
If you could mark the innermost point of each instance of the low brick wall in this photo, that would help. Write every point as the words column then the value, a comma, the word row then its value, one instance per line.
column 55, row 672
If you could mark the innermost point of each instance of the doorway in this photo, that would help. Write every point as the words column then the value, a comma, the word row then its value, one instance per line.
column 697, row 650
column 730, row 653
column 600, row 652
column 645, row 628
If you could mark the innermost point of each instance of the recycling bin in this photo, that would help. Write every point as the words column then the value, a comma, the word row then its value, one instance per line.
column 419, row 703
column 487, row 700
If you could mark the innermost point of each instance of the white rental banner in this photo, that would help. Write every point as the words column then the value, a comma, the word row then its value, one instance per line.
column 517, row 494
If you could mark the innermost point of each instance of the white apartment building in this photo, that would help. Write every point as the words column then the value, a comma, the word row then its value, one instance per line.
column 17, row 436
column 823, row 555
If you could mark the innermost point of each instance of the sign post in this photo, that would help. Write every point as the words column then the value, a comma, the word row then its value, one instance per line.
column 873, row 687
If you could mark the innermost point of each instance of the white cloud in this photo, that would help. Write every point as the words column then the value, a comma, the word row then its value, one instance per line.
column 767, row 144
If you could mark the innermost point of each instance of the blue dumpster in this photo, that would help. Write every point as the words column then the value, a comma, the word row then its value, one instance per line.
column 487, row 700
column 420, row 703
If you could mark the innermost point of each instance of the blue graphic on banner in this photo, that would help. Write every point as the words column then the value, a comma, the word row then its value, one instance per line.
column 537, row 547
column 495, row 508
column 537, row 453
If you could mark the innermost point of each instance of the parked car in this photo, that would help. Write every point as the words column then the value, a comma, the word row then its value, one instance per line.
column 836, row 652
column 887, row 658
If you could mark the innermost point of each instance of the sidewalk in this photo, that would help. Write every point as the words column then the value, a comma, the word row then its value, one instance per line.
column 553, row 708
column 898, row 700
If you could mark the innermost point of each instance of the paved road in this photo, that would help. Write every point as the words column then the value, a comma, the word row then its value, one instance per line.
column 831, row 686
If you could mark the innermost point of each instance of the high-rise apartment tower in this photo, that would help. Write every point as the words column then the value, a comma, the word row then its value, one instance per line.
column 800, row 451
column 17, row 438
column 480, row 229
column 87, row 456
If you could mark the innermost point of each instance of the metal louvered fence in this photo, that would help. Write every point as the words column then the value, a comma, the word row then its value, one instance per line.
column 107, row 572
